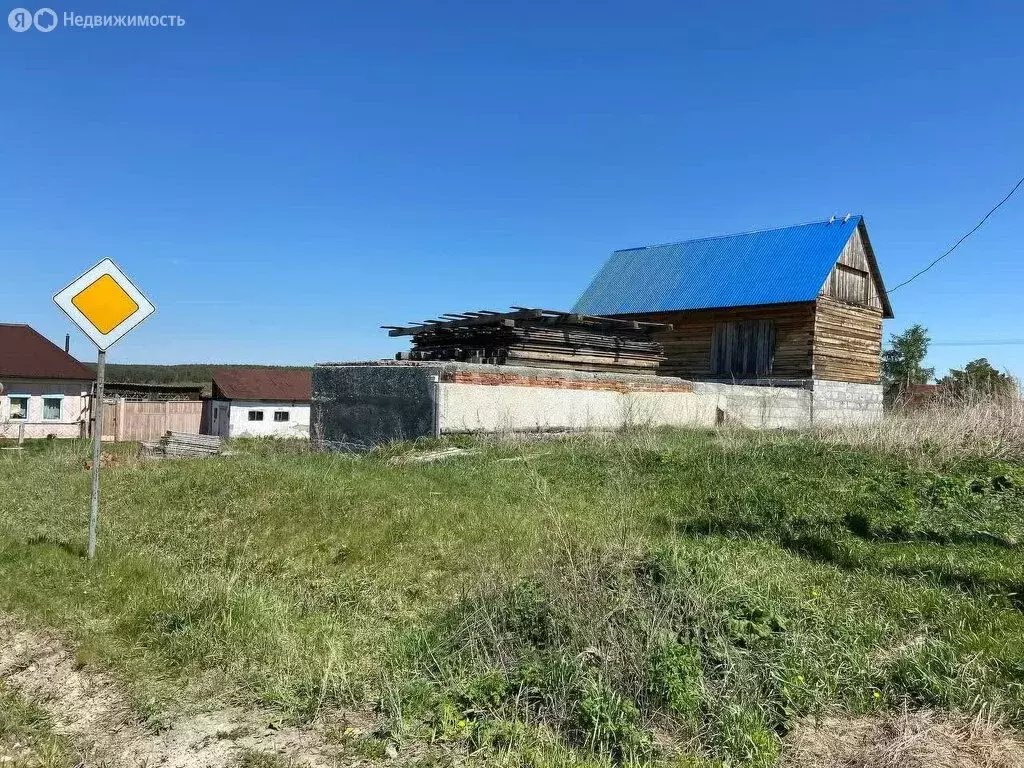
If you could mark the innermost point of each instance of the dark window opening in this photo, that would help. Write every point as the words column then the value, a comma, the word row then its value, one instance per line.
column 280, row 415
column 743, row 349
column 255, row 415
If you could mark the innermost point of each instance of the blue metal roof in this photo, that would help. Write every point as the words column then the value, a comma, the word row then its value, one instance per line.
column 773, row 266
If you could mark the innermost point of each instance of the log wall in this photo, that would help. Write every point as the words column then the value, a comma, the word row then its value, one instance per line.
column 829, row 339
column 688, row 345
column 847, row 342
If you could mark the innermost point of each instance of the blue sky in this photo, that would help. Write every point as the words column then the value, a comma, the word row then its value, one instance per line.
column 283, row 179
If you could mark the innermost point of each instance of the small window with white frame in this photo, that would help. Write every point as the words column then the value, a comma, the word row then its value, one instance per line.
column 52, row 407
column 19, row 407
column 255, row 415
column 280, row 415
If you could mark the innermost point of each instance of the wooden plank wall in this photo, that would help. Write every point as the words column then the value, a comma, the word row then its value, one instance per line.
column 743, row 348
column 149, row 419
column 688, row 344
column 850, row 279
column 847, row 342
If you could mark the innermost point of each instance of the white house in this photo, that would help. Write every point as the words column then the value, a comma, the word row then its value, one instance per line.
column 259, row 402
column 44, row 391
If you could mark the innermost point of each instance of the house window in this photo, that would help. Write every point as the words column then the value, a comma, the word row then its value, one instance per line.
column 280, row 415
column 743, row 349
column 51, row 408
column 255, row 415
column 19, row 407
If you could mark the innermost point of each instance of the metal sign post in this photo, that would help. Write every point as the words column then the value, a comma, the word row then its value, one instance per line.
column 97, row 452
column 106, row 305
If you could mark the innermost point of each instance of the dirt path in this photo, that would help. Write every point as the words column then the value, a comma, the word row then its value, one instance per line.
column 92, row 710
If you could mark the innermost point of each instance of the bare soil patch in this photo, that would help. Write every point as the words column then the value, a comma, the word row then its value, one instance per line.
column 92, row 710
column 921, row 739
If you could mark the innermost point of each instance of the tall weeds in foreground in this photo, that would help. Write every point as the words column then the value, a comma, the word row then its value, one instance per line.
column 944, row 429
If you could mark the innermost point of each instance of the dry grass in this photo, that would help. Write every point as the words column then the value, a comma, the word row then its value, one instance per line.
column 945, row 430
column 909, row 739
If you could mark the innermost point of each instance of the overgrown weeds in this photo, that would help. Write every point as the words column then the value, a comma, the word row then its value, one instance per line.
column 942, row 430
column 648, row 597
column 722, row 644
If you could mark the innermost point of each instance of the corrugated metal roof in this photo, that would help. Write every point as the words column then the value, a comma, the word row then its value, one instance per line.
column 773, row 266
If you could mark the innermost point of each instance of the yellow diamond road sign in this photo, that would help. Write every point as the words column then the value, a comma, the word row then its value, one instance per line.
column 104, row 303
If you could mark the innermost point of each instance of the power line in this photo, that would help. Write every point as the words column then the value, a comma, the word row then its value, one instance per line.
column 979, row 343
column 976, row 228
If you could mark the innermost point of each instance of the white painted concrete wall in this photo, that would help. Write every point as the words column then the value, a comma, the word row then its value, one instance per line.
column 239, row 425
column 489, row 408
column 74, row 412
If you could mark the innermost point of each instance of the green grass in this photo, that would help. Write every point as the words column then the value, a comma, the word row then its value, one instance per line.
column 671, row 597
column 27, row 739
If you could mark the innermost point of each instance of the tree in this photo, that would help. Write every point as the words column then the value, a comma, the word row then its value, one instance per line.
column 977, row 378
column 901, row 363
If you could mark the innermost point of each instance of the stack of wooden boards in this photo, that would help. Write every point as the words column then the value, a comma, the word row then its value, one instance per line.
column 179, row 445
column 539, row 338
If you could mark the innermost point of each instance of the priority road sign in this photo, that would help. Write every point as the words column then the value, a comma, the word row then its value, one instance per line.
column 106, row 305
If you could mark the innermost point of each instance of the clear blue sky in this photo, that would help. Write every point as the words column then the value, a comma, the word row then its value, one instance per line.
column 282, row 179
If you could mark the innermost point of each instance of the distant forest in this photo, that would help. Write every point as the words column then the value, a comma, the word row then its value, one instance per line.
column 189, row 373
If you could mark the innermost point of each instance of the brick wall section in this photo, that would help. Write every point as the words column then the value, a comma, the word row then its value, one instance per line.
column 554, row 382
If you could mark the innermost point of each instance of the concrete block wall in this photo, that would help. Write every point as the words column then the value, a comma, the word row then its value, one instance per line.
column 758, row 407
column 843, row 402
column 359, row 405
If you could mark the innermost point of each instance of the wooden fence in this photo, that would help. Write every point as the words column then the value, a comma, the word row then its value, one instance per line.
column 149, row 419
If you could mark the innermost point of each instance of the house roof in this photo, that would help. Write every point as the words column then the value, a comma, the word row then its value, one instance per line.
column 772, row 266
column 278, row 384
column 27, row 354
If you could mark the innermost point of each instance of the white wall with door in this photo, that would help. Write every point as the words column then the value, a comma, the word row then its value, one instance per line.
column 259, row 418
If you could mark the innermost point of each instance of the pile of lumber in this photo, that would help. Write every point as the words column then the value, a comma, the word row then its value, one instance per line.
column 180, row 445
column 539, row 338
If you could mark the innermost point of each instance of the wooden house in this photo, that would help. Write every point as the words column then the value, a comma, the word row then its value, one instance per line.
column 798, row 303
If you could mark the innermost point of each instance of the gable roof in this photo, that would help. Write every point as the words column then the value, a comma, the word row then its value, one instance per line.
column 27, row 354
column 278, row 384
column 772, row 266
